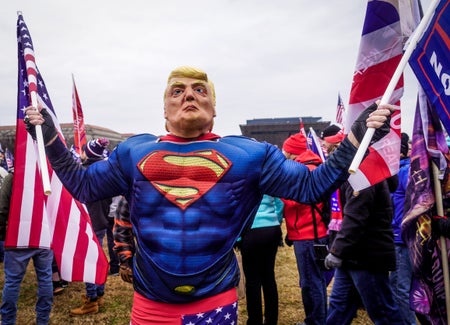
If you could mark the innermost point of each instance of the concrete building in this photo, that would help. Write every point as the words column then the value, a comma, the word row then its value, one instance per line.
column 276, row 130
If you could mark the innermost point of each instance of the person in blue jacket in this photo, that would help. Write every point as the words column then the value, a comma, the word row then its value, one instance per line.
column 191, row 194
column 401, row 277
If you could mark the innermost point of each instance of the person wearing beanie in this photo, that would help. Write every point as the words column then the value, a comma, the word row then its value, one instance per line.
column 331, row 137
column 306, row 231
column 330, row 130
column 294, row 145
column 98, row 211
column 95, row 149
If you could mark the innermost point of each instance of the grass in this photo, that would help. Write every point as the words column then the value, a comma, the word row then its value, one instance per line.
column 118, row 299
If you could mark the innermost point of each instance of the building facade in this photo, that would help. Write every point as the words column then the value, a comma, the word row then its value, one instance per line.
column 276, row 130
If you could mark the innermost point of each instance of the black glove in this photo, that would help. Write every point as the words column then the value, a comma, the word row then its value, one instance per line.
column 332, row 261
column 359, row 127
column 288, row 241
column 48, row 128
column 440, row 226
column 126, row 272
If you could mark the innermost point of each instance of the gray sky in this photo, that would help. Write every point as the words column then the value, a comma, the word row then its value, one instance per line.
column 267, row 58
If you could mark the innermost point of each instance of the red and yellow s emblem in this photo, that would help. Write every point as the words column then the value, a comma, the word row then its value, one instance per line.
column 184, row 178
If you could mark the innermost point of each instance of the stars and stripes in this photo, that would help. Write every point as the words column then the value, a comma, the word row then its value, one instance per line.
column 340, row 111
column 224, row 315
column 56, row 221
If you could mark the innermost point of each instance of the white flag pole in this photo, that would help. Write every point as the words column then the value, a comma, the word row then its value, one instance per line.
column 41, row 151
column 40, row 141
column 395, row 78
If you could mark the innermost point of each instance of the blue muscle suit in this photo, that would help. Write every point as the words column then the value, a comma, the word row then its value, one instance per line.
column 190, row 201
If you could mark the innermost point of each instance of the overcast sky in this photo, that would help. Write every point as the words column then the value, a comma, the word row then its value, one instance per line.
column 268, row 59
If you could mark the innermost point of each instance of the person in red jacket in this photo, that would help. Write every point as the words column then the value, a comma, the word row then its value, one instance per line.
column 306, row 231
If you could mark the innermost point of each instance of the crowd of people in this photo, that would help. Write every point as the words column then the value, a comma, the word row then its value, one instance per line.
column 185, row 200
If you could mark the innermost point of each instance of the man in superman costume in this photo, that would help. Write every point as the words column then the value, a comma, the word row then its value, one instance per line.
column 191, row 194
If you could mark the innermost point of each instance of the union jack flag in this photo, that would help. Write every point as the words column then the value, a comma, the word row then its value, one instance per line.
column 36, row 220
column 380, row 52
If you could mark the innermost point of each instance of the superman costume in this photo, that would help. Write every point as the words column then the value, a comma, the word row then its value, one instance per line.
column 190, row 200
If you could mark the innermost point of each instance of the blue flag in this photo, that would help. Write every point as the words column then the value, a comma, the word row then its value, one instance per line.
column 430, row 62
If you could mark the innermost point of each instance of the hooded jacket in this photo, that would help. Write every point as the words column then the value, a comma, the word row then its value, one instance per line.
column 299, row 217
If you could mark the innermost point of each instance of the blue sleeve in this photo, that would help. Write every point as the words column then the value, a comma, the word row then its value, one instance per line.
column 101, row 180
column 289, row 179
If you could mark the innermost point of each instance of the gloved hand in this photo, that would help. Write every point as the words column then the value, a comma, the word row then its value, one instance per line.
column 288, row 241
column 48, row 128
column 126, row 272
column 359, row 127
column 440, row 226
column 332, row 261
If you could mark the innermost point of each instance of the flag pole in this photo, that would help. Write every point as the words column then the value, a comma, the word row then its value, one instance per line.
column 40, row 141
column 444, row 257
column 394, row 80
column 76, row 126
column 41, row 151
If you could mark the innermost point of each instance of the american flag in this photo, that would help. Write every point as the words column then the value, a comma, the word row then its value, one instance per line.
column 340, row 111
column 380, row 52
column 223, row 315
column 37, row 220
column 79, row 130
column 9, row 158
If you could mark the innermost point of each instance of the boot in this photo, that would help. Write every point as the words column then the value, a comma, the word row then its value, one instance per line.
column 57, row 288
column 100, row 301
column 89, row 306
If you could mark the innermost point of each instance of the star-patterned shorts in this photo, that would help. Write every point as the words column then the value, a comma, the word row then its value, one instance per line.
column 220, row 309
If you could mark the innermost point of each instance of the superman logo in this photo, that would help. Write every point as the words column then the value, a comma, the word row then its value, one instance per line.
column 184, row 178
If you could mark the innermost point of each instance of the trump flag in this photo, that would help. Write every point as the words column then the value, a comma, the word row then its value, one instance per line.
column 430, row 62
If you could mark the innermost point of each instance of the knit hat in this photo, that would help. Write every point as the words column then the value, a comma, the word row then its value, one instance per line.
column 333, row 134
column 330, row 130
column 95, row 148
column 295, row 144
column 404, row 144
